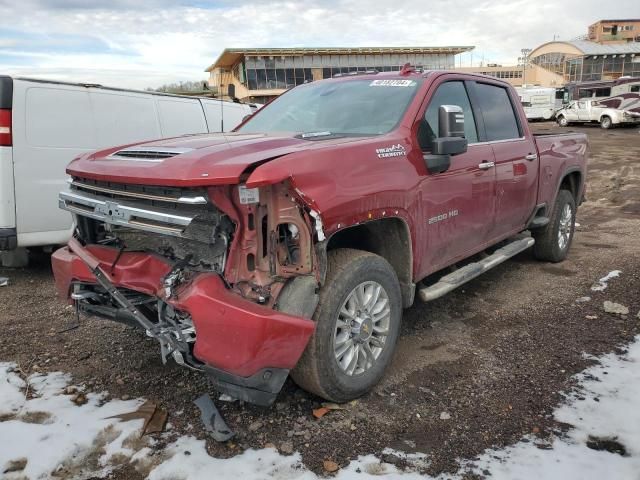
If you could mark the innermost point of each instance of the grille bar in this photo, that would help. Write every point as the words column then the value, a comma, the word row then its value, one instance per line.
column 186, row 200
column 118, row 213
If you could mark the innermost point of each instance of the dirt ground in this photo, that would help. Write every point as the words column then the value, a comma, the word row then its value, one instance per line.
column 478, row 368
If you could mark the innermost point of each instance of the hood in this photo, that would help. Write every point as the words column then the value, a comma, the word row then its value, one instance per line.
column 190, row 161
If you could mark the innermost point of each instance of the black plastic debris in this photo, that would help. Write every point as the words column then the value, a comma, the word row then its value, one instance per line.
column 212, row 419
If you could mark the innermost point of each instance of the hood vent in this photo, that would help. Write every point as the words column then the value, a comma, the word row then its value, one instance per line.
column 147, row 154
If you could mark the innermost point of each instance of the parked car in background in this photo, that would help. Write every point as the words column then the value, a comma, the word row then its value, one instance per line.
column 293, row 244
column 539, row 103
column 43, row 124
column 587, row 111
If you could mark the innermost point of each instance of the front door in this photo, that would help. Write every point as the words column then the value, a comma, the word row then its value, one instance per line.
column 457, row 205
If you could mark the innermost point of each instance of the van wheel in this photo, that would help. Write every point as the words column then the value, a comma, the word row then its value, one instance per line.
column 553, row 240
column 605, row 122
column 562, row 121
column 357, row 324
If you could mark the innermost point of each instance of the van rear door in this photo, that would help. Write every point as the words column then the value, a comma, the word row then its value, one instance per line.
column 7, row 195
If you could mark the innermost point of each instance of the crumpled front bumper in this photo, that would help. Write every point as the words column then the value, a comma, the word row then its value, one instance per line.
column 247, row 349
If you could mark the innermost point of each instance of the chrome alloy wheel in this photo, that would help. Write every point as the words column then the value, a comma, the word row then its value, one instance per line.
column 362, row 327
column 564, row 229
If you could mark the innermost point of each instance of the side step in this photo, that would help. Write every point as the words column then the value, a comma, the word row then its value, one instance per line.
column 471, row 271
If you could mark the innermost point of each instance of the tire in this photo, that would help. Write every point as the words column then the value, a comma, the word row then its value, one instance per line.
column 550, row 245
column 319, row 371
column 562, row 121
column 605, row 122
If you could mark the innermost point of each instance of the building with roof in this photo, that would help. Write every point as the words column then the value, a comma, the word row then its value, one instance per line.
column 259, row 74
column 615, row 31
column 557, row 63
column 610, row 50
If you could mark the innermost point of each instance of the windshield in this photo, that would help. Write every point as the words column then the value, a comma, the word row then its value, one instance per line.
column 323, row 109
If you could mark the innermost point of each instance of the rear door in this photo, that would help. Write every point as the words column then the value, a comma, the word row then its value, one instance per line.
column 52, row 124
column 516, row 159
column 583, row 110
column 7, row 199
column 458, row 204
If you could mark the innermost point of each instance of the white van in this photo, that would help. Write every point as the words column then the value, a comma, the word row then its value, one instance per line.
column 45, row 124
column 538, row 103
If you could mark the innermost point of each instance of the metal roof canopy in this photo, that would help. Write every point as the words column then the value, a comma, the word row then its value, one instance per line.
column 230, row 56
column 592, row 48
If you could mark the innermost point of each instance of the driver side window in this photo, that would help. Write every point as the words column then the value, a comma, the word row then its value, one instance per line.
column 449, row 93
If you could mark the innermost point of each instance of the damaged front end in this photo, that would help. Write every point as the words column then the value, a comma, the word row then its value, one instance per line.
column 224, row 277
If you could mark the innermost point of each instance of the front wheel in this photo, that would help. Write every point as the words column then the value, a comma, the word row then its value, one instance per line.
column 605, row 122
column 357, row 325
column 562, row 121
column 553, row 240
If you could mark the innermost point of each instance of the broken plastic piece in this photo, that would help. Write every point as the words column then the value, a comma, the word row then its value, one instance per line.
column 212, row 419
column 155, row 418
column 4, row 281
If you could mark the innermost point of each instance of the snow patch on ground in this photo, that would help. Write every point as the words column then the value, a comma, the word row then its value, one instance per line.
column 608, row 412
column 603, row 283
column 54, row 434
column 189, row 460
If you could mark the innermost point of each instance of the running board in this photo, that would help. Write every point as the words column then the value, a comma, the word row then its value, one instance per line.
column 471, row 271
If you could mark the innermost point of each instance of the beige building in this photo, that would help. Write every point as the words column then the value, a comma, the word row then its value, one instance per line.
column 611, row 51
column 615, row 31
column 555, row 64
column 259, row 74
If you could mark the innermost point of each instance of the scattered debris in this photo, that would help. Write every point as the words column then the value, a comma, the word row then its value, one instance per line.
column 330, row 466
column 155, row 418
column 255, row 426
column 226, row 398
column 79, row 399
column 286, row 447
column 212, row 419
column 590, row 317
column 4, row 281
column 603, row 283
column 445, row 416
column 320, row 412
column 612, row 307
column 583, row 299
column 17, row 465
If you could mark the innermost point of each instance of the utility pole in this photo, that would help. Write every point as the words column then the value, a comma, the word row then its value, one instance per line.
column 524, row 59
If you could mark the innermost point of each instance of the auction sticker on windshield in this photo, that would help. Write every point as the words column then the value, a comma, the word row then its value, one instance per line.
column 392, row 83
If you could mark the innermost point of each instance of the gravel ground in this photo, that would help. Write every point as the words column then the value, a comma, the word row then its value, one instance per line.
column 478, row 368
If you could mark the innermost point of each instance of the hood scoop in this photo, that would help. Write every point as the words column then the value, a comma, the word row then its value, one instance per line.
column 147, row 153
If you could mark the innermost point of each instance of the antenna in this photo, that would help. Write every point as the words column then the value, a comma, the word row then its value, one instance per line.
column 221, row 110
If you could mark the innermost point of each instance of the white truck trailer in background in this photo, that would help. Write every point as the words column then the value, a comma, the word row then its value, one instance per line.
column 539, row 103
column 45, row 124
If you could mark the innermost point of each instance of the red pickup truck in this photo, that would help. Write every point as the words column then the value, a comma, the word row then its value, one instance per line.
column 292, row 245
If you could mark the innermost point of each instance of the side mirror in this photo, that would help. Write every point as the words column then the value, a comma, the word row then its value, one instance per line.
column 247, row 117
column 450, row 140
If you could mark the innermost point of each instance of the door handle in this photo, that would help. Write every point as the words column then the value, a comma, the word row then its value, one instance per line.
column 486, row 165
column 531, row 157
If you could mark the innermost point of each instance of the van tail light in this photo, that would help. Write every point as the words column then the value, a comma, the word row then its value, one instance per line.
column 5, row 128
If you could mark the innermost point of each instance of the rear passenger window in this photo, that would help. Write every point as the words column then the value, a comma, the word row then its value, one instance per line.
column 449, row 93
column 497, row 111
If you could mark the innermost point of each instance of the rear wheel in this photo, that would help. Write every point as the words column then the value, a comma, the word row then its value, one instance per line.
column 357, row 325
column 553, row 240
column 605, row 122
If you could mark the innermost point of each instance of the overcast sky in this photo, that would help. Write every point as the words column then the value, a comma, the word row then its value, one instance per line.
column 146, row 43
